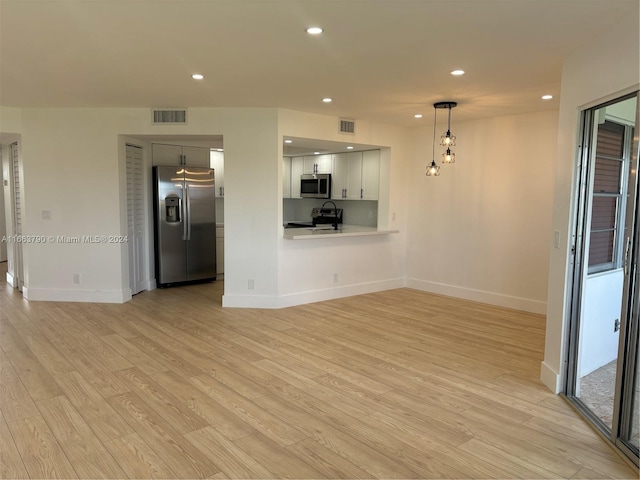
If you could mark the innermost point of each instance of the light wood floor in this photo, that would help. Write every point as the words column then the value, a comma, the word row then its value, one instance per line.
column 400, row 384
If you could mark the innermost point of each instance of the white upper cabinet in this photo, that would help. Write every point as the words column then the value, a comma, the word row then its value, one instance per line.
column 297, row 169
column 340, row 176
column 356, row 175
column 317, row 164
column 216, row 161
column 179, row 155
column 286, row 177
column 370, row 175
column 346, row 175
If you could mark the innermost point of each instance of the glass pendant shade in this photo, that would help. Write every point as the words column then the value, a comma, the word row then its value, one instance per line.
column 448, row 140
column 448, row 156
column 433, row 170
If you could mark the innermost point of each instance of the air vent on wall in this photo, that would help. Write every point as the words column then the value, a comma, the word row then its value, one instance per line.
column 170, row 115
column 347, row 126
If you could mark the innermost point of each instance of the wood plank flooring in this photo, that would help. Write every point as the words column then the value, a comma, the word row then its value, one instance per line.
column 398, row 384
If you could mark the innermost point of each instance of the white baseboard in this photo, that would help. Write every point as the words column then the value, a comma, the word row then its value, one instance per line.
column 59, row 295
column 516, row 303
column 292, row 299
column 550, row 378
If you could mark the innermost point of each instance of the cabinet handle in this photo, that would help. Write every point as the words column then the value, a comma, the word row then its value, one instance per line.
column 362, row 193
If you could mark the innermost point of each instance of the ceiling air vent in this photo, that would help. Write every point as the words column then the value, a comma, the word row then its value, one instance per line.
column 347, row 126
column 170, row 115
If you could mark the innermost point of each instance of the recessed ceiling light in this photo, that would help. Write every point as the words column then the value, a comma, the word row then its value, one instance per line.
column 457, row 72
column 418, row 115
column 547, row 97
column 349, row 147
column 220, row 149
column 314, row 30
column 197, row 76
column 327, row 100
column 288, row 141
column 316, row 153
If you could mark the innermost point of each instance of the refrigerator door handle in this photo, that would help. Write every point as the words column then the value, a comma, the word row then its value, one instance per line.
column 183, row 220
column 188, row 222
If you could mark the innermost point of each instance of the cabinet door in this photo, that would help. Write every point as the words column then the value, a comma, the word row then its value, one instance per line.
column 166, row 154
column 317, row 164
column 196, row 156
column 297, row 169
column 286, row 177
column 216, row 161
column 354, row 188
column 219, row 250
column 371, row 174
column 340, row 176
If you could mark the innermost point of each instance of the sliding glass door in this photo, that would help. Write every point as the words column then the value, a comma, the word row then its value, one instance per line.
column 603, row 350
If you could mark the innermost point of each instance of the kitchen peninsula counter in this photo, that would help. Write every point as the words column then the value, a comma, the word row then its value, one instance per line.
column 325, row 231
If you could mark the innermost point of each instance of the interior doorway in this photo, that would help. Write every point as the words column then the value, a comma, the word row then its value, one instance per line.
column 602, row 375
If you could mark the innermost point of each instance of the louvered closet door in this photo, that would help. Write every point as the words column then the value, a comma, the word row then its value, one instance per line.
column 17, row 215
column 135, row 218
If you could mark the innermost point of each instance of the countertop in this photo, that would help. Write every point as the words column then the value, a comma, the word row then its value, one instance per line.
column 327, row 231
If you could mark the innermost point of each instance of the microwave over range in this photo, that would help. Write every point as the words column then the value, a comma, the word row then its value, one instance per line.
column 315, row 186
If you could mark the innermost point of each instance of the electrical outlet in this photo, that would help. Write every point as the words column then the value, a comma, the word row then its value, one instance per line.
column 336, row 278
column 46, row 214
column 76, row 278
column 250, row 284
column 556, row 239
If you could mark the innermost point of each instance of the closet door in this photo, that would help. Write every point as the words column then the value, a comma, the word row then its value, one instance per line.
column 16, row 194
column 135, row 218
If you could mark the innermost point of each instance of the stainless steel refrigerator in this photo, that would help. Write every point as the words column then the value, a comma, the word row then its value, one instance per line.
column 185, row 224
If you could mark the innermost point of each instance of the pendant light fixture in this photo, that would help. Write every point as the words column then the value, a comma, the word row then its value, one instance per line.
column 433, row 170
column 447, row 139
column 448, row 156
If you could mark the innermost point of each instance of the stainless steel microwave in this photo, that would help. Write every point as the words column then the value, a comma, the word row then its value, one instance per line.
column 315, row 186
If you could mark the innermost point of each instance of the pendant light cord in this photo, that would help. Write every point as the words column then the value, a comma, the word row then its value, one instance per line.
column 433, row 147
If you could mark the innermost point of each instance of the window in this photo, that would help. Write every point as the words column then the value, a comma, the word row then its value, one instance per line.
column 609, row 186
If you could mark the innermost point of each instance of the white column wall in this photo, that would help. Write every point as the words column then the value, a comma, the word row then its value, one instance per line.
column 481, row 230
column 602, row 70
column 363, row 264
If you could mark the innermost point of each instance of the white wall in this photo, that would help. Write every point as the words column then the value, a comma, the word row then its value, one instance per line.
column 74, row 167
column 601, row 300
column 481, row 229
column 599, row 71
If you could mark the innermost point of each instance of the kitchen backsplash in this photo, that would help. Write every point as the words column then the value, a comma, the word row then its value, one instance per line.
column 360, row 212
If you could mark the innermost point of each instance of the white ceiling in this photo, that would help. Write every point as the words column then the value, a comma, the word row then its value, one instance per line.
column 380, row 60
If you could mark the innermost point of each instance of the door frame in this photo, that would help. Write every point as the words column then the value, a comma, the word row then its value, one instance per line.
column 627, row 349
